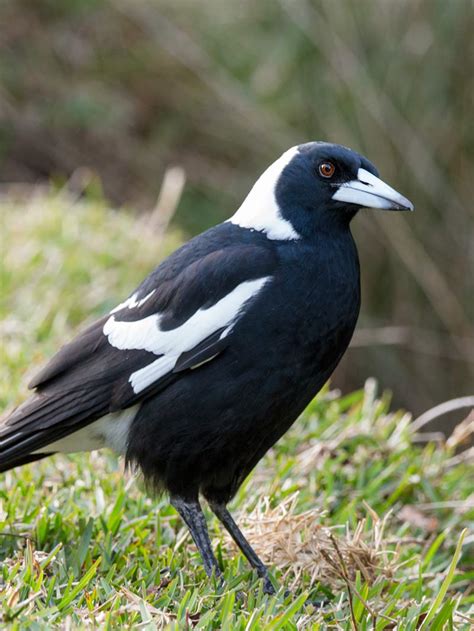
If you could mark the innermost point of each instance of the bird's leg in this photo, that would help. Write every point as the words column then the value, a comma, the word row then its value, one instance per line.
column 193, row 517
column 226, row 519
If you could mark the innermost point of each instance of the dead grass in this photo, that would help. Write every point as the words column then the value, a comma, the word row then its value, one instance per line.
column 300, row 544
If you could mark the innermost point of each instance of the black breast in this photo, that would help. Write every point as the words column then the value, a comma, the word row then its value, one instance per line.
column 208, row 430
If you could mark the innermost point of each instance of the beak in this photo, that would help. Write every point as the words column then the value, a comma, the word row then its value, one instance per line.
column 368, row 191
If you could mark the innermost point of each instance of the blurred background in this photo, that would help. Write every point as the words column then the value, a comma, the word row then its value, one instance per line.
column 118, row 91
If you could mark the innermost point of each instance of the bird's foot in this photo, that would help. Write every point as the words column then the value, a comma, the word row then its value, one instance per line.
column 268, row 587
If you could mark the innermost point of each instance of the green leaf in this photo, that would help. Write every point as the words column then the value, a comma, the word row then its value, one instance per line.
column 286, row 617
column 446, row 583
column 74, row 591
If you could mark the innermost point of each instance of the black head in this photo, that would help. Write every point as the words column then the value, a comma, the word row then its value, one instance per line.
column 315, row 186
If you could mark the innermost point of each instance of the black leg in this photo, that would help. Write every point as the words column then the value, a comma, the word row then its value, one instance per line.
column 193, row 517
column 229, row 524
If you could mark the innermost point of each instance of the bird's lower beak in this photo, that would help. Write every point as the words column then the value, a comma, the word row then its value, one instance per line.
column 368, row 191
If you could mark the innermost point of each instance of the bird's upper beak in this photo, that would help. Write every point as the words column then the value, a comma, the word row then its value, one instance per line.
column 369, row 191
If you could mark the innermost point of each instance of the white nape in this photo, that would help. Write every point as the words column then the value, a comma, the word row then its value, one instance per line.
column 132, row 302
column 108, row 431
column 260, row 210
column 146, row 334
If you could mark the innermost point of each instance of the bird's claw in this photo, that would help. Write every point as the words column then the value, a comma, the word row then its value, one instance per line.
column 268, row 587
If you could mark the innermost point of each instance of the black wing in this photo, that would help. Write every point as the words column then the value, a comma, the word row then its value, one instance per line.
column 180, row 317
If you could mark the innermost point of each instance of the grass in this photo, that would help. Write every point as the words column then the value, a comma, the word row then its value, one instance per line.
column 368, row 527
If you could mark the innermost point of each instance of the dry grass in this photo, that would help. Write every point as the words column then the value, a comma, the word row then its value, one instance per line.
column 301, row 545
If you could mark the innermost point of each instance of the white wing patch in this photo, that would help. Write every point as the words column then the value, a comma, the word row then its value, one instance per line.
column 260, row 211
column 141, row 379
column 139, row 335
column 146, row 334
column 132, row 302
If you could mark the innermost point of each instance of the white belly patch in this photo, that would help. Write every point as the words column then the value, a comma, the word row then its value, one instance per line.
column 109, row 431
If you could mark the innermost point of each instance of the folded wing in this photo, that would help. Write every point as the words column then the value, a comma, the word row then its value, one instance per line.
column 181, row 317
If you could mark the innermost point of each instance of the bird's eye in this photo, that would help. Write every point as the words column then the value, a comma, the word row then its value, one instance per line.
column 326, row 169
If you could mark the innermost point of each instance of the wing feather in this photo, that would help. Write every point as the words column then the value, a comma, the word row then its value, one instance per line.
column 189, row 305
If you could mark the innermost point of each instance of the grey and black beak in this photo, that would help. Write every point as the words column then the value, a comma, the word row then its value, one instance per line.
column 368, row 191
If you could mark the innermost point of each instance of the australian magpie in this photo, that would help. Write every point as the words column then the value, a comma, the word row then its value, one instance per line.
column 212, row 358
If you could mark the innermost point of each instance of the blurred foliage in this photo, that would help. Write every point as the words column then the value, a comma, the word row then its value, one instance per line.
column 60, row 273
column 129, row 87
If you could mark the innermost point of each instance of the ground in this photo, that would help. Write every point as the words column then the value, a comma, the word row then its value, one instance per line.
column 365, row 524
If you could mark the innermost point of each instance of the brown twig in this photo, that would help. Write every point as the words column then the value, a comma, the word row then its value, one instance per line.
column 346, row 579
column 351, row 587
column 171, row 190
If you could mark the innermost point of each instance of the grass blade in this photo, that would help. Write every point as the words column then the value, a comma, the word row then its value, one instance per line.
column 445, row 585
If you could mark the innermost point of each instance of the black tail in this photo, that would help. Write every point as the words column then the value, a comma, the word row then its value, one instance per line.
column 12, row 463
column 43, row 419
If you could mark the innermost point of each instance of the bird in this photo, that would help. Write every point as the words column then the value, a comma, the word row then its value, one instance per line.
column 214, row 356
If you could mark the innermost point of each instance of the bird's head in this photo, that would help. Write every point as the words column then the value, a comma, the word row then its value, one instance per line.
column 314, row 186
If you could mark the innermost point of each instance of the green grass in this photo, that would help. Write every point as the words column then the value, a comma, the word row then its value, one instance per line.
column 81, row 543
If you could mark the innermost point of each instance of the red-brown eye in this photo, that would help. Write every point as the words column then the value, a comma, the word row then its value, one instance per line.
column 326, row 169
